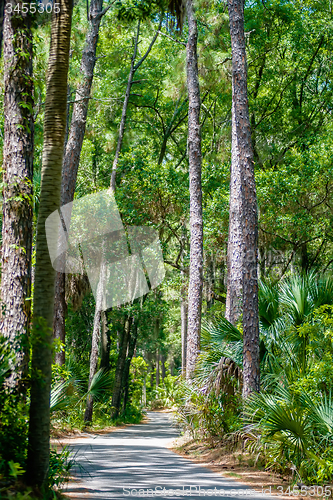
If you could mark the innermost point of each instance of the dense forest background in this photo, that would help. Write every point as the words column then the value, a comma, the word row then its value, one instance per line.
column 107, row 366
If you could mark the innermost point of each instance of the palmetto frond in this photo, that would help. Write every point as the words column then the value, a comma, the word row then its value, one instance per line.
column 100, row 384
column 221, row 357
column 63, row 395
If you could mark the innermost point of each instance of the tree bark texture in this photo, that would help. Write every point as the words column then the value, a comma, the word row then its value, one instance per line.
column 93, row 363
column 54, row 137
column 196, row 228
column 17, row 190
column 242, row 157
column 72, row 154
column 235, row 250
column 2, row 11
column 183, row 304
column 119, row 375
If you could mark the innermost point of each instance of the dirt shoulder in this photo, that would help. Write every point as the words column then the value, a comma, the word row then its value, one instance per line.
column 240, row 467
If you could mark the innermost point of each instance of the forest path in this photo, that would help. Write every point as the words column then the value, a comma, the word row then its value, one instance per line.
column 119, row 464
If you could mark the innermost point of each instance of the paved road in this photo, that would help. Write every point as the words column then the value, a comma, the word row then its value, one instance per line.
column 134, row 462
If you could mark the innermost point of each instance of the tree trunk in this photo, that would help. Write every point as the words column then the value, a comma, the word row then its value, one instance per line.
column 95, row 337
column 157, row 368
column 119, row 375
column 17, row 191
column 2, row 12
column 72, row 154
column 210, row 280
column 133, row 69
column 144, row 392
column 93, row 364
column 131, row 348
column 163, row 367
column 54, row 137
column 183, row 305
column 248, row 221
column 196, row 242
column 60, row 313
column 235, row 237
column 105, row 342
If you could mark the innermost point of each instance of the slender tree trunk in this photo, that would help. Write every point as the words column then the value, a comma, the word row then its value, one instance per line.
column 105, row 342
column 235, row 237
column 196, row 228
column 162, row 358
column 93, row 363
column 17, row 191
column 119, row 375
column 95, row 337
column 2, row 11
column 72, row 154
column 210, row 280
column 54, row 137
column 157, row 368
column 144, row 391
column 183, row 318
column 94, row 345
column 133, row 69
column 131, row 348
column 183, row 305
column 243, row 164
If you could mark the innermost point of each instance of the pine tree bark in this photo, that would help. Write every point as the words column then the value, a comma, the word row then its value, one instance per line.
column 72, row 154
column 196, row 227
column 54, row 137
column 235, row 250
column 183, row 304
column 17, row 191
column 245, row 215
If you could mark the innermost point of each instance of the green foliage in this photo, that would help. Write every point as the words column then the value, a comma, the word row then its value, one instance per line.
column 292, row 430
column 60, row 466
column 207, row 415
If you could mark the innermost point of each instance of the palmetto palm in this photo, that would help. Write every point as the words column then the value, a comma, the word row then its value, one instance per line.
column 294, row 428
column 283, row 352
column 54, row 137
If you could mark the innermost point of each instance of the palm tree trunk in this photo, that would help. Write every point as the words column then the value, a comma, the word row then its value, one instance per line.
column 196, row 228
column 54, row 137
column 17, row 191
column 243, row 182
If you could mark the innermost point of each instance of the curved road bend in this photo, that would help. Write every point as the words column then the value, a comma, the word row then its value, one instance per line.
column 134, row 463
